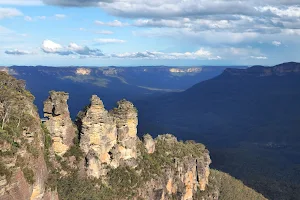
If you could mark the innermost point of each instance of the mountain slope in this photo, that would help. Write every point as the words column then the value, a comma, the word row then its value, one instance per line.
column 250, row 120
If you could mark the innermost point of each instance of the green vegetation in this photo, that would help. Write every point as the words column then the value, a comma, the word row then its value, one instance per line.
column 33, row 150
column 29, row 175
column 13, row 108
column 229, row 188
column 75, row 150
column 153, row 165
column 74, row 187
column 5, row 172
column 16, row 120
column 123, row 182
column 47, row 144
column 101, row 82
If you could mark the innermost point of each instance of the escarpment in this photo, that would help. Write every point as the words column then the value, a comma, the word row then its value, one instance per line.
column 23, row 170
column 101, row 158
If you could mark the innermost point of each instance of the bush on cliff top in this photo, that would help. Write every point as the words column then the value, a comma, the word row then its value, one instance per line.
column 228, row 188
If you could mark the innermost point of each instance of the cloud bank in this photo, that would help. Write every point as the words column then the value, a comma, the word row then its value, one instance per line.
column 51, row 47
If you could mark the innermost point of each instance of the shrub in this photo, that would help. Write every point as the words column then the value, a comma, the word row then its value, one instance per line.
column 29, row 175
column 5, row 172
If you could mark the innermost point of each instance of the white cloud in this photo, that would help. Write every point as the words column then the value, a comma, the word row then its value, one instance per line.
column 210, row 37
column 200, row 54
column 276, row 43
column 115, row 23
column 49, row 46
column 9, row 12
column 109, row 41
column 4, row 30
column 60, row 16
column 27, row 18
column 291, row 11
column 104, row 32
column 17, row 52
column 158, row 23
column 21, row 2
column 74, row 49
column 54, row 48
column 259, row 57
column 41, row 17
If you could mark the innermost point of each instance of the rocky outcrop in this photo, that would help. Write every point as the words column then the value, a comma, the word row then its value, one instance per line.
column 185, row 174
column 83, row 71
column 188, row 70
column 149, row 143
column 59, row 122
column 107, row 139
column 126, row 119
column 98, row 135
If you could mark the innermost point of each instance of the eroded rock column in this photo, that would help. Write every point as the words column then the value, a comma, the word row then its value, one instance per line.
column 98, row 136
column 58, row 121
column 108, row 139
column 126, row 119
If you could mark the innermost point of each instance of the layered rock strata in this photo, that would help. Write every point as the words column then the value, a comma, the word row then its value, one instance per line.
column 58, row 121
column 23, row 170
column 183, row 176
column 107, row 139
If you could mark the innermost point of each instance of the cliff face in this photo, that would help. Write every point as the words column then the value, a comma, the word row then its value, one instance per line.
column 184, row 169
column 23, row 171
column 98, row 135
column 107, row 139
column 59, row 122
column 165, row 167
column 126, row 119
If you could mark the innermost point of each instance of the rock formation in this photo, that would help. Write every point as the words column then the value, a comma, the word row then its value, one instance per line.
column 98, row 135
column 184, row 175
column 107, row 139
column 23, row 170
column 126, row 119
column 59, row 122
column 149, row 143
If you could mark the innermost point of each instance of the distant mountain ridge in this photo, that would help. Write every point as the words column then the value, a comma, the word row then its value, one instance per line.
column 278, row 70
column 111, row 83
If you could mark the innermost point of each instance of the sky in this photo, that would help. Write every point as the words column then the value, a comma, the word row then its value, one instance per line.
column 143, row 32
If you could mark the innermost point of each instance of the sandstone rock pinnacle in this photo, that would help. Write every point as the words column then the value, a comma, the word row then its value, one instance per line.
column 107, row 139
column 149, row 143
column 98, row 136
column 59, row 122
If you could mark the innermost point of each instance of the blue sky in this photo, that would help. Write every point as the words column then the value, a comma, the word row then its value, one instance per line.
column 140, row 32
